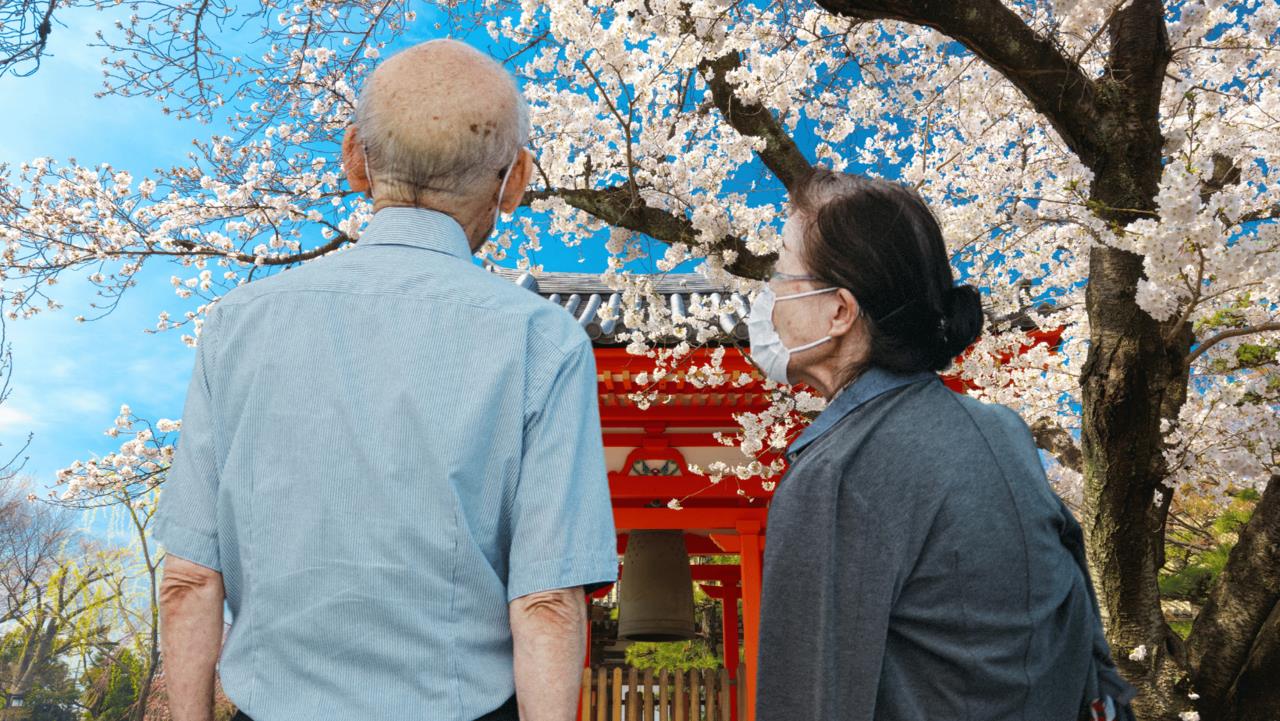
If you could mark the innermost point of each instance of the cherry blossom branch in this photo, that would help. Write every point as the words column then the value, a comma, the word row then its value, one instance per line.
column 1057, row 441
column 191, row 249
column 1056, row 86
column 1272, row 213
column 619, row 207
column 780, row 155
column 1227, row 335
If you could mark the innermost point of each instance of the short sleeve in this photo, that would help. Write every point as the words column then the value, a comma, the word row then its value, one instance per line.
column 562, row 521
column 187, row 517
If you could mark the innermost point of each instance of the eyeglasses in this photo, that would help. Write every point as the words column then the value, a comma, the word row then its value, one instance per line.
column 793, row 276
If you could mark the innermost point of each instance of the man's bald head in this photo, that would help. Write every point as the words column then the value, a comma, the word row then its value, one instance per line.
column 439, row 118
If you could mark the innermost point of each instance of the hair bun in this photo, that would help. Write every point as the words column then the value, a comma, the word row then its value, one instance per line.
column 961, row 319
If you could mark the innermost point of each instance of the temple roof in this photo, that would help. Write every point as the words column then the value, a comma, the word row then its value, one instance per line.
column 587, row 298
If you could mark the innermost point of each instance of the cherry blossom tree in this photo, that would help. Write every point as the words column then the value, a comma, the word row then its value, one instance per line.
column 1104, row 167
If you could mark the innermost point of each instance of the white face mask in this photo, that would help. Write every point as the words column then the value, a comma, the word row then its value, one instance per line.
column 767, row 349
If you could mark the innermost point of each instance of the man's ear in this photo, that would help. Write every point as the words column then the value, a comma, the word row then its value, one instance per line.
column 353, row 163
column 518, row 182
column 846, row 315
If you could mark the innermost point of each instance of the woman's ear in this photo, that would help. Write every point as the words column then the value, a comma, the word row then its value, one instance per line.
column 353, row 163
column 847, row 312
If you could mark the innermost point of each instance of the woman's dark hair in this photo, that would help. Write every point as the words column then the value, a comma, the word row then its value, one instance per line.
column 879, row 240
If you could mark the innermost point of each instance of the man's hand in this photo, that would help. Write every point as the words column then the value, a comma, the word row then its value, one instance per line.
column 191, row 636
column 549, row 630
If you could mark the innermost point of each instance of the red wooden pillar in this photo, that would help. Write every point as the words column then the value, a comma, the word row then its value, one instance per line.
column 728, row 595
column 729, row 614
column 749, row 531
column 586, row 658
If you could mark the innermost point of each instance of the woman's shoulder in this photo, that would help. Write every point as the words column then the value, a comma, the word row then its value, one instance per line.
column 999, row 424
column 930, row 430
column 930, row 415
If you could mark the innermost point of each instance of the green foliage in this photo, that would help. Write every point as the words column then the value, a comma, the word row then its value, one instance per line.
column 683, row 655
column 672, row 656
column 111, row 686
column 1232, row 316
column 1192, row 580
column 1255, row 354
column 52, row 694
column 1198, row 544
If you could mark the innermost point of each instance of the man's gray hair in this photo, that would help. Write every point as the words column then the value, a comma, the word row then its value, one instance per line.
column 454, row 163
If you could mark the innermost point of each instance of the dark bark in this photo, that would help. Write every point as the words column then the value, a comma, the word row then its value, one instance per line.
column 1136, row 374
column 621, row 208
column 1256, row 693
column 1052, row 82
column 780, row 155
column 1228, row 650
column 1056, row 440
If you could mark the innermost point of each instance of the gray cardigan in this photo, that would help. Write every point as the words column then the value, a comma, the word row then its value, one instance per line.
column 919, row 566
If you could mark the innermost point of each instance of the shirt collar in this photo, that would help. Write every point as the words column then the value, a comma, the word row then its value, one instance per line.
column 419, row 228
column 872, row 383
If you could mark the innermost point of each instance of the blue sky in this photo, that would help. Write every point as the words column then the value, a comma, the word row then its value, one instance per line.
column 69, row 379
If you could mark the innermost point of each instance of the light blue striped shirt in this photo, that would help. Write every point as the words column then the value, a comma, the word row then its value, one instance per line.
column 380, row 449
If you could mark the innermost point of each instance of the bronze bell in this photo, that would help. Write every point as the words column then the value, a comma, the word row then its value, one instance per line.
column 656, row 591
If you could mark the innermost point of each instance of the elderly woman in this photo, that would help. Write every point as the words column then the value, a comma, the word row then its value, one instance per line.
column 919, row 566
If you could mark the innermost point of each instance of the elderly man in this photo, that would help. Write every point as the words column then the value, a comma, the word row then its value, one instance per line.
column 391, row 463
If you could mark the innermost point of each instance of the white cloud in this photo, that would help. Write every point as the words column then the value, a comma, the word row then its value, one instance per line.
column 14, row 419
column 82, row 401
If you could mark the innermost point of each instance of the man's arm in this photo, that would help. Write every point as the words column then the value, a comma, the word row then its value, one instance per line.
column 549, row 630
column 191, row 636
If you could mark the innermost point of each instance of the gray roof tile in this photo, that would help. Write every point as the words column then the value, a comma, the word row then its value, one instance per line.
column 585, row 295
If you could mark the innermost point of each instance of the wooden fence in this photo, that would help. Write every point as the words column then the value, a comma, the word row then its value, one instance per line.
column 626, row 694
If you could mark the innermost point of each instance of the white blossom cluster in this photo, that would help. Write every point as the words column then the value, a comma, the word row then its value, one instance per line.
column 128, row 475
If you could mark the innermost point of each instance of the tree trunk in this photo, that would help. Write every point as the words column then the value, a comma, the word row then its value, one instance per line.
column 1125, row 382
column 1256, row 693
column 1135, row 375
column 35, row 654
column 1234, row 646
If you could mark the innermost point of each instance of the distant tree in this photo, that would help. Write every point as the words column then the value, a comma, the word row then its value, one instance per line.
column 10, row 468
column 129, row 480
column 111, row 686
column 54, row 597
column 51, row 693
column 1198, row 547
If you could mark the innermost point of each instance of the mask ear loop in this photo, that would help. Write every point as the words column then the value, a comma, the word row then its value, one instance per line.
column 805, row 294
column 364, row 152
column 497, row 209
